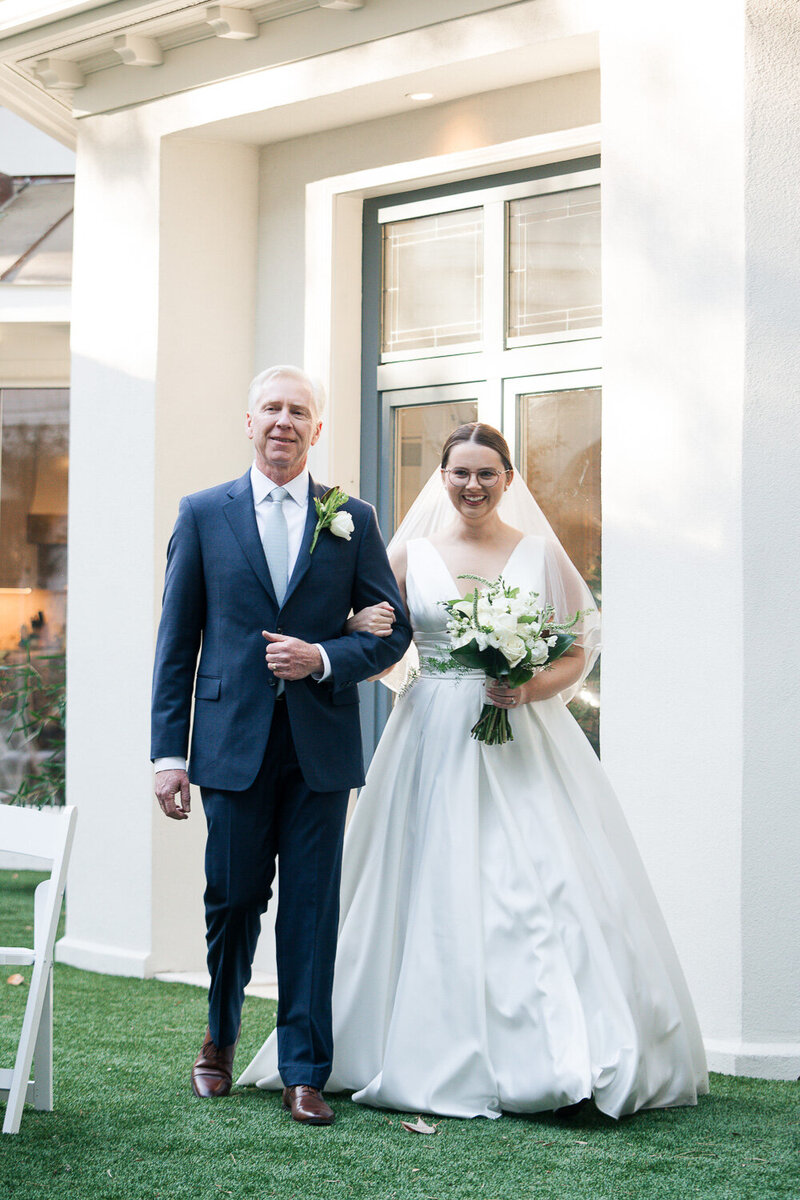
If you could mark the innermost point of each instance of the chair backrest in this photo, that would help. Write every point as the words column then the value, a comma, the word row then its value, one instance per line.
column 40, row 832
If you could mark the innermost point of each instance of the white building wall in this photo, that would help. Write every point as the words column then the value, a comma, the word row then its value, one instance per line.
column 700, row 524
column 771, row 539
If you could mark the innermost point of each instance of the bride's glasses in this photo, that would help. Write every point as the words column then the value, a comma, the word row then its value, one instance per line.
column 460, row 476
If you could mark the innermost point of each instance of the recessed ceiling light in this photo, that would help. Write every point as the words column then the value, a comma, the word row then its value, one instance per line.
column 419, row 95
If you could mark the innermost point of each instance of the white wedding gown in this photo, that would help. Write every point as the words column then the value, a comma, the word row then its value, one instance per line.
column 500, row 946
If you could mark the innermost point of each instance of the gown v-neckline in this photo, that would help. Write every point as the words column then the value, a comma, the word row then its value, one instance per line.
column 449, row 573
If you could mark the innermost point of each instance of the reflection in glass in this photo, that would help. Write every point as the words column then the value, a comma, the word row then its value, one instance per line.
column 420, row 432
column 553, row 263
column 433, row 281
column 34, row 447
column 560, row 460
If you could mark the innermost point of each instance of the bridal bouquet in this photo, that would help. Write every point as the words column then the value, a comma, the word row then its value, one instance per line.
column 507, row 636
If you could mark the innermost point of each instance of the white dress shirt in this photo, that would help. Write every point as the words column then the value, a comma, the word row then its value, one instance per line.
column 295, row 509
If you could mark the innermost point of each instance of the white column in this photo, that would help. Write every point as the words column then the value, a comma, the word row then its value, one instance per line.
column 770, row 1035
column 162, row 354
column 697, row 716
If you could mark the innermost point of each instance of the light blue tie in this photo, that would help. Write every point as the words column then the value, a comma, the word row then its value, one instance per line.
column 276, row 542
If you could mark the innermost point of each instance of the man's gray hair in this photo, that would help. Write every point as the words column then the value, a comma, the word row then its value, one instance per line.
column 261, row 380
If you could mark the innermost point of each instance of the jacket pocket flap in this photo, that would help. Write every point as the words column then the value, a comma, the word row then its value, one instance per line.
column 346, row 695
column 206, row 688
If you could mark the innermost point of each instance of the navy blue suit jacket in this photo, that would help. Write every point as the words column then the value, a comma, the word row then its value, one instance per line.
column 218, row 596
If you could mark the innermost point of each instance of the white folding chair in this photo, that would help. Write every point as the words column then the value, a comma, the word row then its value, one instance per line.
column 47, row 834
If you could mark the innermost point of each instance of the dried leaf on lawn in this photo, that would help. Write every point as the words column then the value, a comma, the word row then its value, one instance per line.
column 418, row 1126
column 15, row 980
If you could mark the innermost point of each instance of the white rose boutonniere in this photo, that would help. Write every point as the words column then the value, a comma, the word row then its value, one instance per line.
column 342, row 525
column 329, row 517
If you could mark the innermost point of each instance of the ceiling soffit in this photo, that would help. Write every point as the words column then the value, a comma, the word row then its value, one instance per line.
column 66, row 68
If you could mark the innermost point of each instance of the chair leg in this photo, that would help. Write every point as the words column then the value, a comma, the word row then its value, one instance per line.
column 22, row 1066
column 43, row 1052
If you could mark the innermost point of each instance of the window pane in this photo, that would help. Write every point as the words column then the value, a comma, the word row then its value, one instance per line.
column 433, row 281
column 33, row 581
column 419, row 434
column 560, row 440
column 554, row 263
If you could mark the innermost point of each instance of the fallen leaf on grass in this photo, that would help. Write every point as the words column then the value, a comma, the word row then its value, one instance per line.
column 15, row 980
column 419, row 1126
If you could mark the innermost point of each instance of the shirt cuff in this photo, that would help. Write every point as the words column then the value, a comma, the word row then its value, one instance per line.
column 169, row 764
column 326, row 666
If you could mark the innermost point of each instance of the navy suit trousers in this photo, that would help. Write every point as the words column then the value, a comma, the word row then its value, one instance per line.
column 277, row 817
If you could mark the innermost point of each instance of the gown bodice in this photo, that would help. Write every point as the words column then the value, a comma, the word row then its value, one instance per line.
column 429, row 583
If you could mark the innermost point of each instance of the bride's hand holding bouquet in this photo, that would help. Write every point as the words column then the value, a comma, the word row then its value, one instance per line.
column 512, row 639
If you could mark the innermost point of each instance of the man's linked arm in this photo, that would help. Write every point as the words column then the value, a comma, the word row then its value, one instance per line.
column 356, row 656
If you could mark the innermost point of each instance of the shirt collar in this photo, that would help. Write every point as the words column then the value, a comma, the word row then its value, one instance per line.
column 262, row 486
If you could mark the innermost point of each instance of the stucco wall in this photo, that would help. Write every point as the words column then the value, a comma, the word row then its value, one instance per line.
column 771, row 526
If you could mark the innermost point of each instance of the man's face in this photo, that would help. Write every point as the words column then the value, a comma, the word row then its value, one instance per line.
column 282, row 427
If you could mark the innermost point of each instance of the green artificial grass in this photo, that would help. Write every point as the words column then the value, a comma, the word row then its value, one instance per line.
column 127, row 1127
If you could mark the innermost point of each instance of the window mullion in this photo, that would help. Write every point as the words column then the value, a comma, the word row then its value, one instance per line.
column 494, row 308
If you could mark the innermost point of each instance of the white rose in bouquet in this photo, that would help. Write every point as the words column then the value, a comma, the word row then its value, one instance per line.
column 539, row 651
column 510, row 645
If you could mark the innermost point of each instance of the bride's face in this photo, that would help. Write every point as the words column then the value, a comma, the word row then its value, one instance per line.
column 475, row 479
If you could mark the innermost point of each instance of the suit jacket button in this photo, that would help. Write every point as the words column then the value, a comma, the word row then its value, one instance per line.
column 271, row 682
column 279, row 629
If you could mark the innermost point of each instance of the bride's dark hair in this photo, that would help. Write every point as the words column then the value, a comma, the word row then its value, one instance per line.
column 484, row 435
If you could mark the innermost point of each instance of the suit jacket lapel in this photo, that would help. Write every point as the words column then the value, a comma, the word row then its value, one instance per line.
column 304, row 557
column 242, row 519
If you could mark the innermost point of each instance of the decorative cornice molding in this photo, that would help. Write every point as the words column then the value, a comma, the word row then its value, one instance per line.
column 46, row 110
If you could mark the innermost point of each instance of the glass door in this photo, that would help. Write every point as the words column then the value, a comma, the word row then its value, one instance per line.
column 554, row 426
column 418, row 421
column 34, row 468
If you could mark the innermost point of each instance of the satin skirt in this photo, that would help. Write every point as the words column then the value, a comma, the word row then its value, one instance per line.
column 500, row 947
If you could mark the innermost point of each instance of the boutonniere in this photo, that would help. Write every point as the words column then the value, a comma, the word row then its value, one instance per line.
column 329, row 517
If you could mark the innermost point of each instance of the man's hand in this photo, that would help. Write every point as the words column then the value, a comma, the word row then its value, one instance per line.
column 168, row 785
column 291, row 658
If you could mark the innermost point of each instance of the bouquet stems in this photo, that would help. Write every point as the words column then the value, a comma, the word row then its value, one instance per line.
column 493, row 726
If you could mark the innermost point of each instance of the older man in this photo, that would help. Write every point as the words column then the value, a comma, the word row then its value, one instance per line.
column 276, row 743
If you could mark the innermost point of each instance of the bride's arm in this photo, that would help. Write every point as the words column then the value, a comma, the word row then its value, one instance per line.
column 555, row 679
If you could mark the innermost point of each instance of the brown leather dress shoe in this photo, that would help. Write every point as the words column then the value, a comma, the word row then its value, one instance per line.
column 212, row 1073
column 306, row 1105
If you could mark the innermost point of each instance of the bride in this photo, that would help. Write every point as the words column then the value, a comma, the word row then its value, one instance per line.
column 500, row 947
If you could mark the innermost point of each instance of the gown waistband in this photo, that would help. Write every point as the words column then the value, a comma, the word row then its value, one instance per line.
column 429, row 646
